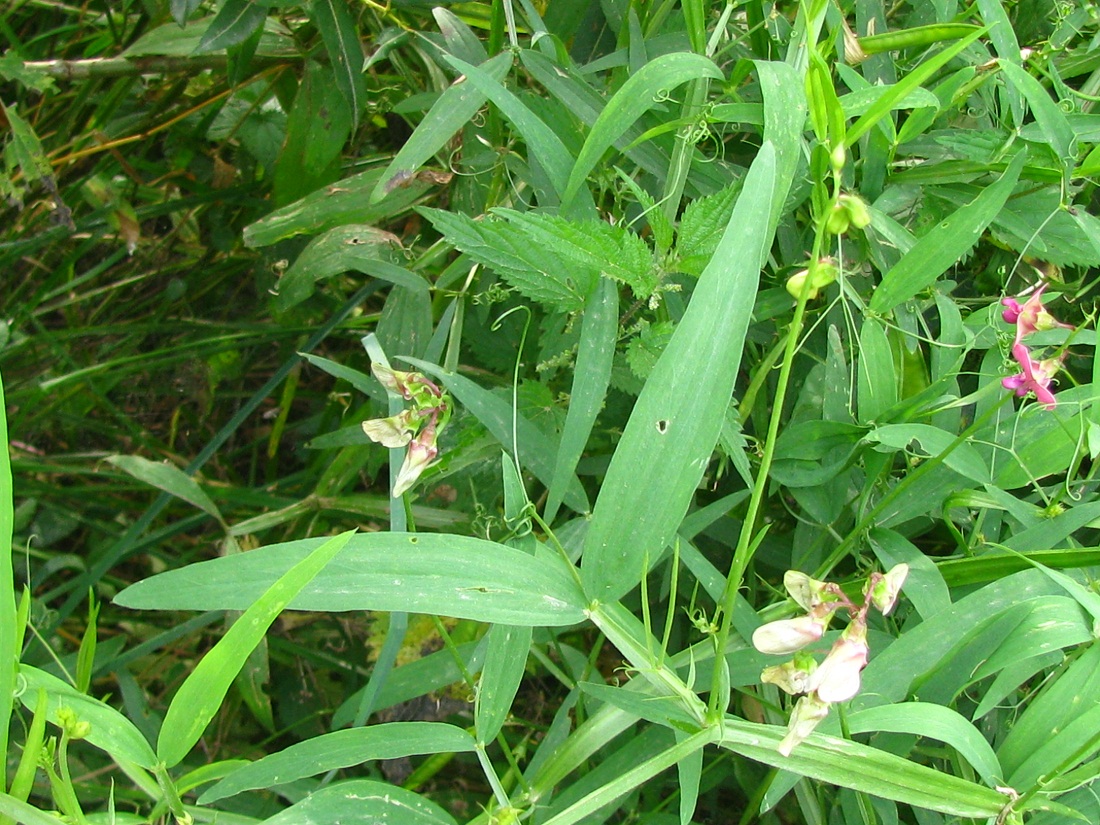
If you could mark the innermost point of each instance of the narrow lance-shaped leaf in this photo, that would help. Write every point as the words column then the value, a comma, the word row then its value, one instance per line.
column 345, row 53
column 168, row 478
column 945, row 243
column 448, row 575
column 676, row 421
column 599, row 330
column 453, row 110
column 634, row 98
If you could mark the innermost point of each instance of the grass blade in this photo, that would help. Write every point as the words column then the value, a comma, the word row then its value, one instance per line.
column 200, row 696
column 9, row 655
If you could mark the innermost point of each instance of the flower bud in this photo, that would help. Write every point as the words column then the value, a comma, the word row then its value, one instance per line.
column 838, row 220
column 808, row 593
column 787, row 635
column 884, row 589
column 858, row 213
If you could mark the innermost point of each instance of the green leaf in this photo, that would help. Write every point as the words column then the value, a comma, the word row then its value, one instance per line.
column 345, row 53
column 168, row 478
column 365, row 801
column 591, row 377
column 1071, row 698
column 678, row 416
column 353, row 248
column 453, row 110
column 505, row 665
column 441, row 574
column 333, row 206
column 543, row 145
column 233, row 23
column 701, row 228
column 342, row 749
column 533, row 269
column 948, row 241
column 317, row 128
column 964, row 458
column 935, row 722
column 636, row 96
column 1051, row 119
column 110, row 731
column 202, row 693
column 851, row 765
column 877, row 378
column 592, row 245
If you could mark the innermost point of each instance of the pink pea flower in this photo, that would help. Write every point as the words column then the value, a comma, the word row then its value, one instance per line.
column 1035, row 376
column 420, row 455
column 837, row 678
column 1030, row 316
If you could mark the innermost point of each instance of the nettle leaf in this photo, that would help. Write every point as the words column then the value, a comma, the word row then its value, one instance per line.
column 530, row 267
column 600, row 247
column 643, row 351
column 701, row 228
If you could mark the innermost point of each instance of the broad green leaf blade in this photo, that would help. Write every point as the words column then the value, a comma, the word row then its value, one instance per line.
column 111, row 731
column 362, row 801
column 453, row 110
column 535, row 269
column 678, row 416
column 936, row 722
column 945, row 243
column 342, row 749
column 168, row 478
column 234, row 22
column 851, row 765
column 536, row 451
column 447, row 575
column 201, row 694
column 636, row 96
column 591, row 377
column 345, row 53
column 505, row 664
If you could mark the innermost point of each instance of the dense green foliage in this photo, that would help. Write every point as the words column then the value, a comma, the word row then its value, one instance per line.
column 645, row 304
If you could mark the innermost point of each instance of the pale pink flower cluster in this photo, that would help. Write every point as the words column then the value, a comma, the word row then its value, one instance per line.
column 418, row 426
column 837, row 678
column 1034, row 376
